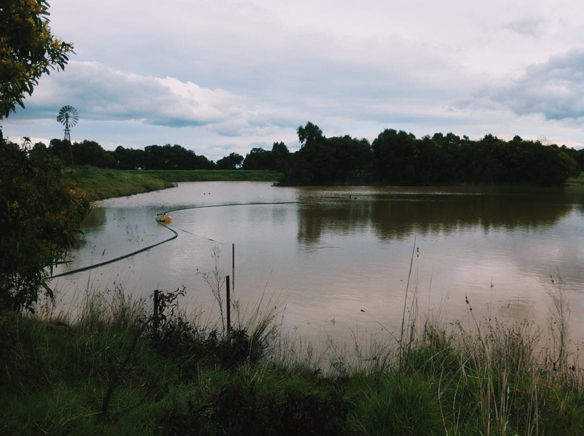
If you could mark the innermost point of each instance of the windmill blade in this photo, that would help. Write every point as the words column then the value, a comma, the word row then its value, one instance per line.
column 73, row 117
column 68, row 115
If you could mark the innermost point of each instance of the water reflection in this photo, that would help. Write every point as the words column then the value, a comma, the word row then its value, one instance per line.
column 398, row 216
column 340, row 250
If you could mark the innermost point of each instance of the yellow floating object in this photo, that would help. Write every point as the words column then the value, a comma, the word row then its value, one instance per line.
column 163, row 218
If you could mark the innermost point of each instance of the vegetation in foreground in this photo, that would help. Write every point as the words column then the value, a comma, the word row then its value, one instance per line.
column 117, row 369
column 107, row 183
column 40, row 214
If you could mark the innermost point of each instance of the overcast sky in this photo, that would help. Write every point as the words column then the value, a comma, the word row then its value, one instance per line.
column 222, row 76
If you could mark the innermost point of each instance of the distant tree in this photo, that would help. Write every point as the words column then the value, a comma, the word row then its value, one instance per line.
column 396, row 157
column 230, row 162
column 91, row 153
column 309, row 134
column 259, row 159
column 40, row 146
column 173, row 157
column 28, row 50
column 61, row 149
column 40, row 212
column 399, row 158
column 577, row 155
column 352, row 158
column 128, row 158
column 313, row 164
column 281, row 156
column 551, row 166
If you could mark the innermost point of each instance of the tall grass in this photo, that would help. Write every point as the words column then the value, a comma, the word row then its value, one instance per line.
column 104, row 371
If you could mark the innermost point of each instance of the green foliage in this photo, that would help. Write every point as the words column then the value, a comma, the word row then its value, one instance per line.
column 28, row 50
column 399, row 158
column 55, row 374
column 167, row 157
column 128, row 158
column 259, row 159
column 321, row 160
column 309, row 134
column 91, row 153
column 259, row 402
column 394, row 158
column 40, row 212
column 230, row 162
column 180, row 340
column 391, row 404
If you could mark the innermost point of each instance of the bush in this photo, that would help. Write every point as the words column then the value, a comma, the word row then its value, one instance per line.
column 42, row 213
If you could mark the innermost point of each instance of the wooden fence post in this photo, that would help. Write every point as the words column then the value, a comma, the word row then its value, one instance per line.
column 228, row 302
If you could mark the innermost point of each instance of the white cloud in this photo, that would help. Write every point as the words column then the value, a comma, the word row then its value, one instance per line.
column 100, row 92
column 242, row 72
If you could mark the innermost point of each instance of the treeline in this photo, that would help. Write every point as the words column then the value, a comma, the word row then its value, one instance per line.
column 165, row 157
column 393, row 158
column 152, row 157
column 399, row 158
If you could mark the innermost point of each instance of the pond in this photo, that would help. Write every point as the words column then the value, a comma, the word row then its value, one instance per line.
column 336, row 260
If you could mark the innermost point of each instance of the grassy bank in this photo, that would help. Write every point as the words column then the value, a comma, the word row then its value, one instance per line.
column 214, row 175
column 117, row 369
column 104, row 183
column 576, row 181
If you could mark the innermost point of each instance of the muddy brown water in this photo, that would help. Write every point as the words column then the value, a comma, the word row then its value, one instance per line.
column 335, row 260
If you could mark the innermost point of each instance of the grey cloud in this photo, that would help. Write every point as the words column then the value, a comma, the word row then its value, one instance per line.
column 554, row 89
column 532, row 27
column 102, row 93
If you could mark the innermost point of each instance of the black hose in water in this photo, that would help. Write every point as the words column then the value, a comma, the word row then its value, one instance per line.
column 174, row 236
column 125, row 256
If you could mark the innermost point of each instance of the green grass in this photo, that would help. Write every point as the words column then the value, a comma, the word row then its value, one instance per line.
column 214, row 175
column 105, row 372
column 104, row 183
column 576, row 181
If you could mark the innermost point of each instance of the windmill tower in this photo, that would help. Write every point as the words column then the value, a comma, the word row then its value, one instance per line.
column 68, row 116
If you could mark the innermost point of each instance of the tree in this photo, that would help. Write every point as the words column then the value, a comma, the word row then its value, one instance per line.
column 396, row 155
column 309, row 134
column 40, row 212
column 128, row 158
column 173, row 157
column 281, row 156
column 28, row 50
column 259, row 159
column 61, row 148
column 230, row 162
column 91, row 153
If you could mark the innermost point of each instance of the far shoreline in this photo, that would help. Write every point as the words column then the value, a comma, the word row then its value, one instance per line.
column 101, row 184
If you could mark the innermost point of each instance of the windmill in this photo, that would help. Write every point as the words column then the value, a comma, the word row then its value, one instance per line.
column 68, row 116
